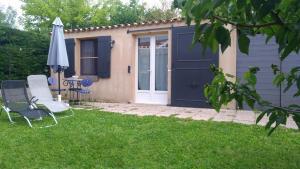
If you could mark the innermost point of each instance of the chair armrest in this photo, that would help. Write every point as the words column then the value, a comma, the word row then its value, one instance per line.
column 33, row 100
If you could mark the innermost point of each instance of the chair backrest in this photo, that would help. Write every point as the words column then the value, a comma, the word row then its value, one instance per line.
column 52, row 81
column 15, row 95
column 39, row 88
column 86, row 82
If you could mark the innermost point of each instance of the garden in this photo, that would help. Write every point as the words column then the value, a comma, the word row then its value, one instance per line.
column 97, row 139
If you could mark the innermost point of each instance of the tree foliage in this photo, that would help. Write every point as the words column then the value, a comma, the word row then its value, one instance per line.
column 164, row 11
column 22, row 53
column 121, row 13
column 278, row 19
column 25, row 52
column 39, row 14
column 8, row 17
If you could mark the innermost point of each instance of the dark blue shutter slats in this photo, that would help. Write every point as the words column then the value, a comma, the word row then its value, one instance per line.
column 104, row 56
column 190, row 69
column 70, row 45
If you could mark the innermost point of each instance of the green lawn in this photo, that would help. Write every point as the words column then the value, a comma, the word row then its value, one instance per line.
column 94, row 139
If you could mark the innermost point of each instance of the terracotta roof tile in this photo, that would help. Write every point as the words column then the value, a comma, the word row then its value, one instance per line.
column 124, row 25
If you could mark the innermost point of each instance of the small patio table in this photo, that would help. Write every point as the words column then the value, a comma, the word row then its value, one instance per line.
column 74, row 86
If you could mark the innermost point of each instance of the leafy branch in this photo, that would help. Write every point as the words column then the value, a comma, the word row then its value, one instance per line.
column 274, row 19
column 245, row 25
column 222, row 91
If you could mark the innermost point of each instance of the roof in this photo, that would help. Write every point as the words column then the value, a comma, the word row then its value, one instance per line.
column 136, row 24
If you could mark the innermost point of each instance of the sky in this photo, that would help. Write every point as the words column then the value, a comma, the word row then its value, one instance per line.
column 16, row 5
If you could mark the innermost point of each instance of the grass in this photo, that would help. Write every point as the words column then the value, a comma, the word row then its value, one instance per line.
column 95, row 139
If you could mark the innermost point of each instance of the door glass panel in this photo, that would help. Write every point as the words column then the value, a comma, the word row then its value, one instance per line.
column 161, row 63
column 144, row 63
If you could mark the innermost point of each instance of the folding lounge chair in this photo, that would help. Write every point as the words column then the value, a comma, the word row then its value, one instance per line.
column 39, row 88
column 16, row 100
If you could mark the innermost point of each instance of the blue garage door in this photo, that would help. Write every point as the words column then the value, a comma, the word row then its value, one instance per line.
column 190, row 69
column 263, row 55
column 287, row 97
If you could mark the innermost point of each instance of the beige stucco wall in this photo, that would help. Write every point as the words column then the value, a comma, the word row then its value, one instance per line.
column 121, row 86
column 227, row 60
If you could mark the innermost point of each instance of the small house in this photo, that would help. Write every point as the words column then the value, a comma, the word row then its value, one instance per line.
column 155, row 63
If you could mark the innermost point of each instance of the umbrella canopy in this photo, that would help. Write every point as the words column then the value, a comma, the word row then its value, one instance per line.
column 57, row 56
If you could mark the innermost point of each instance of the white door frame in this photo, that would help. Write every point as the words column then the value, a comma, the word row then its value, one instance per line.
column 149, row 96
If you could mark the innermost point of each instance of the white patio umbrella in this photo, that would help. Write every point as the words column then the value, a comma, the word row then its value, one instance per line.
column 57, row 56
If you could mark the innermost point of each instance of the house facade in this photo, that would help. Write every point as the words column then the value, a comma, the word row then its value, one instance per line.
column 154, row 63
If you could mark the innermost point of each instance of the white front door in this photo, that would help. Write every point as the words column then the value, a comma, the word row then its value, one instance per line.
column 152, row 69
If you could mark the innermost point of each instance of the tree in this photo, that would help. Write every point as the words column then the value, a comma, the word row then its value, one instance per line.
column 165, row 11
column 22, row 53
column 11, row 16
column 8, row 18
column 122, row 13
column 279, row 19
column 39, row 14
column 2, row 18
column 136, row 12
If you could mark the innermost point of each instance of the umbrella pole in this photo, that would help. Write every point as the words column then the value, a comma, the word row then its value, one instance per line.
column 59, row 82
column 59, row 96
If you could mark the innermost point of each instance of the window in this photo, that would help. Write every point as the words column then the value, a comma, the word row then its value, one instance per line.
column 88, row 57
column 161, row 63
column 144, row 63
column 153, row 63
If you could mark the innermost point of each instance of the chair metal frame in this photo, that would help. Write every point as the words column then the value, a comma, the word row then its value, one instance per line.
column 86, row 87
column 31, row 107
column 44, row 105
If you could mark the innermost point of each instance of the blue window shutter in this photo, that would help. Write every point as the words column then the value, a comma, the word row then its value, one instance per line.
column 104, row 56
column 70, row 45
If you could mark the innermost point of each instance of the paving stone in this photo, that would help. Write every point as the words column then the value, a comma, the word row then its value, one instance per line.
column 130, row 113
column 224, row 117
column 263, row 121
column 203, row 116
column 243, row 122
column 146, row 114
column 291, row 124
column 185, row 115
column 165, row 114
column 244, row 117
